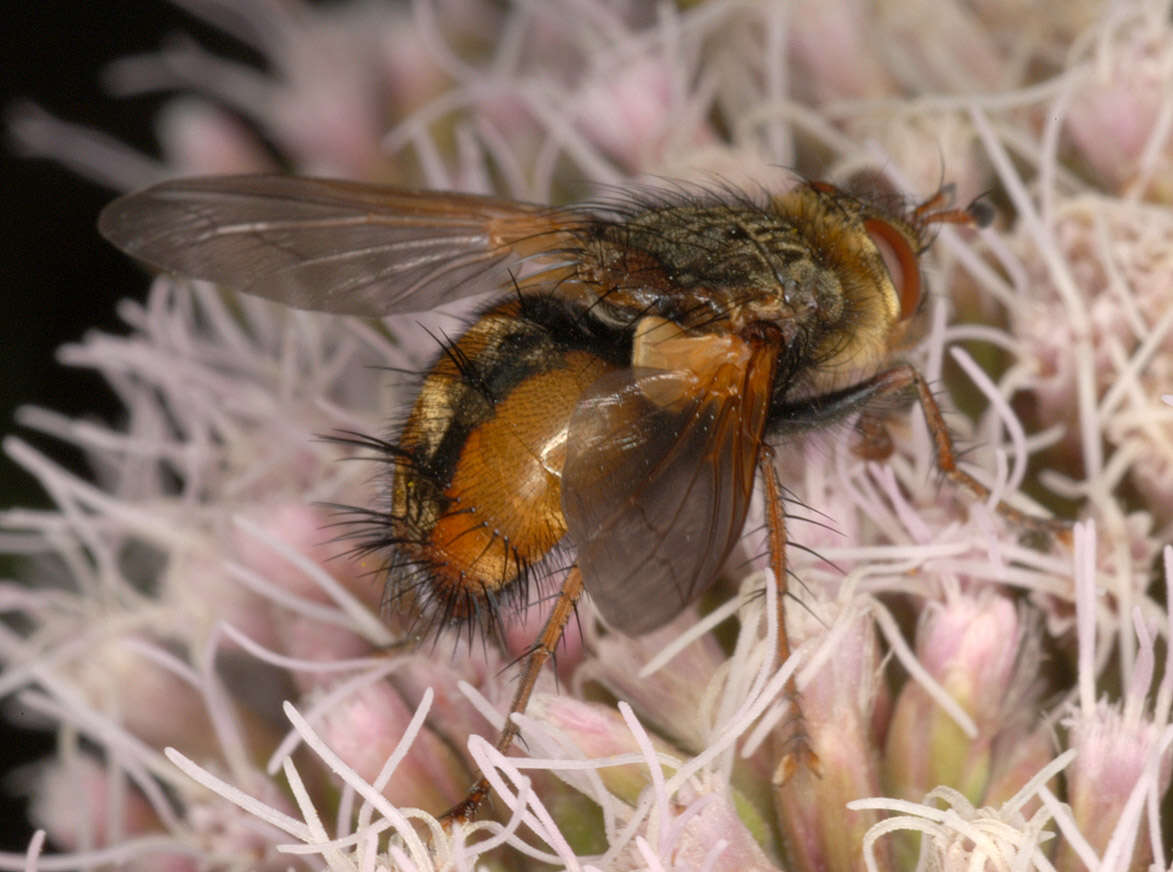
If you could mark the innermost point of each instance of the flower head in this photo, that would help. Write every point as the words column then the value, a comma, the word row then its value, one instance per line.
column 229, row 690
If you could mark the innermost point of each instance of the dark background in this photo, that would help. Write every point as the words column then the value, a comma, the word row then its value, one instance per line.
column 59, row 279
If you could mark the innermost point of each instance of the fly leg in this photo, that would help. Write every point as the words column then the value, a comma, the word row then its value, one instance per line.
column 818, row 411
column 540, row 653
column 815, row 412
column 797, row 750
column 902, row 377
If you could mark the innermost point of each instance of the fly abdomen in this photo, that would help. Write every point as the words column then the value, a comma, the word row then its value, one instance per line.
column 476, row 496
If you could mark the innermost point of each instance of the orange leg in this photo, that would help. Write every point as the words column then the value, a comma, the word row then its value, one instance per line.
column 901, row 377
column 873, row 441
column 816, row 412
column 813, row 413
column 798, row 750
column 542, row 651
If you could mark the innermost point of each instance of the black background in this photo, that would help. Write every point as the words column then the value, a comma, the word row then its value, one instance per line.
column 59, row 278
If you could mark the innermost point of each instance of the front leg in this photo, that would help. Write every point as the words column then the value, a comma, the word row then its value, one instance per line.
column 816, row 412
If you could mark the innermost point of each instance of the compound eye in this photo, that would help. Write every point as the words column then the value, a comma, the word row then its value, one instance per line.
column 900, row 260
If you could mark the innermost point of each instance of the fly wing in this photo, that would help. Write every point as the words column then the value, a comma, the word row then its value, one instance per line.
column 657, row 482
column 332, row 245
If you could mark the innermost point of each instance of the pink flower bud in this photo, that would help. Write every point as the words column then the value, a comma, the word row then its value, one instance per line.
column 971, row 647
column 71, row 801
column 838, row 710
column 365, row 728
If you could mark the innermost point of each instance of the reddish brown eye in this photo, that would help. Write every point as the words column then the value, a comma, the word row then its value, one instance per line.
column 900, row 260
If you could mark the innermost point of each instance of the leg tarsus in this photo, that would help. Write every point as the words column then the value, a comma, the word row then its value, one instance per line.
column 466, row 810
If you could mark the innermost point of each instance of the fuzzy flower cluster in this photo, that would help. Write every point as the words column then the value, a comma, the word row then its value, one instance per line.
column 228, row 692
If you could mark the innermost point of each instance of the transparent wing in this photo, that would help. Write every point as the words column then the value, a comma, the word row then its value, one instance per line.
column 657, row 481
column 331, row 245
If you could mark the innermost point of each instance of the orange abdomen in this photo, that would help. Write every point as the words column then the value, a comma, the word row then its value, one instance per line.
column 476, row 493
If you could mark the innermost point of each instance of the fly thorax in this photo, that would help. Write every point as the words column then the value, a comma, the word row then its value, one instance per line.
column 802, row 299
column 812, row 293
